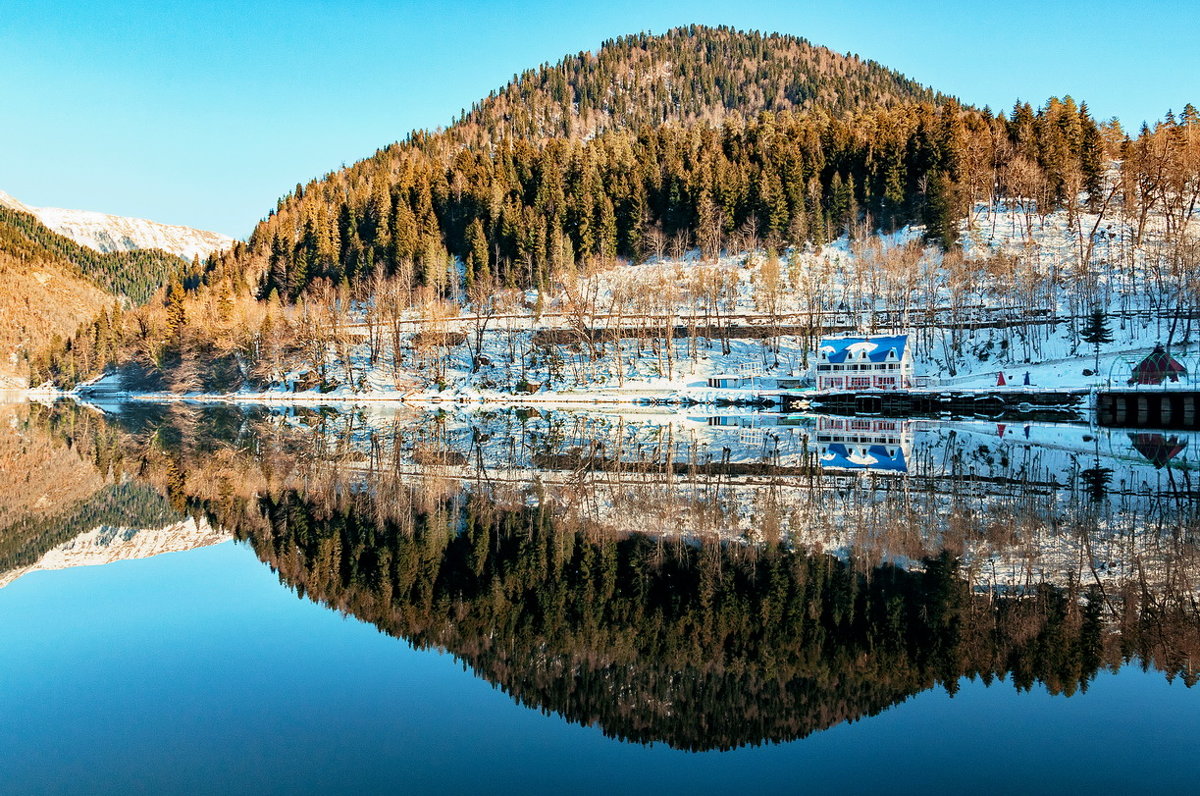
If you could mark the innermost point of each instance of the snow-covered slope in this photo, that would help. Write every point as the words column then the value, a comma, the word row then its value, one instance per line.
column 106, row 544
column 107, row 233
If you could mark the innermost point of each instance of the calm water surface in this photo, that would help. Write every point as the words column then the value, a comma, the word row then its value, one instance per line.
column 214, row 600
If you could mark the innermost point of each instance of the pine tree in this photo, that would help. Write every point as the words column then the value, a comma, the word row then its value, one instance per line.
column 940, row 216
column 843, row 207
column 606, row 230
column 176, row 311
column 1097, row 332
column 1091, row 159
column 477, row 253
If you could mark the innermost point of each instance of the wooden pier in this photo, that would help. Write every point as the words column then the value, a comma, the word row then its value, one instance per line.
column 963, row 403
column 1149, row 408
column 1146, row 408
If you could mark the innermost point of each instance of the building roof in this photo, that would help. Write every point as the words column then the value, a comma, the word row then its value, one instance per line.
column 838, row 349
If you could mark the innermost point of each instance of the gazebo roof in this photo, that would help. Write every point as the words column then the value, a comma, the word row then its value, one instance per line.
column 1158, row 366
column 1160, row 361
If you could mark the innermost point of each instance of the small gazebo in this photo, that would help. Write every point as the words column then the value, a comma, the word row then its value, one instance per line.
column 1157, row 367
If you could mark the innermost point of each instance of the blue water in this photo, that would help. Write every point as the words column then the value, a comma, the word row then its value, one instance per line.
column 199, row 672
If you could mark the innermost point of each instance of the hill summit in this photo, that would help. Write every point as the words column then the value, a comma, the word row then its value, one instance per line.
column 692, row 73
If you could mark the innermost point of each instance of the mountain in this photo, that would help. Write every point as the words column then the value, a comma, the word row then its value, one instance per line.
column 134, row 275
column 703, row 140
column 107, row 544
column 108, row 233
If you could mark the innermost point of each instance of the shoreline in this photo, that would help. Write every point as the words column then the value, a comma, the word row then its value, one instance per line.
column 649, row 396
column 307, row 399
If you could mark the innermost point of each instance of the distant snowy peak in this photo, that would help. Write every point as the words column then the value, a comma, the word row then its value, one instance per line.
column 107, row 233
column 107, row 544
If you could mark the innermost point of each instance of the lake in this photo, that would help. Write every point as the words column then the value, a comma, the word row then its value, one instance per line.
column 231, row 599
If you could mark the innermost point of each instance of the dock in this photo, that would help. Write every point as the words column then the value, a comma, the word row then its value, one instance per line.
column 1148, row 408
column 996, row 403
column 1130, row 408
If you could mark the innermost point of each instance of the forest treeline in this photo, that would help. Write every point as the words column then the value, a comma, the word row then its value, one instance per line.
column 745, row 139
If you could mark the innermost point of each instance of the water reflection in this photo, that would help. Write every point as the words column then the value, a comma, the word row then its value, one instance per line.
column 66, row 501
column 704, row 582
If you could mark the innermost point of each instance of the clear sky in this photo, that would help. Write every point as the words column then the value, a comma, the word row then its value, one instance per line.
column 204, row 113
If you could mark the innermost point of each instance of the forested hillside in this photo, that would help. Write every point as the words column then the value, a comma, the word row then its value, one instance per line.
column 50, row 285
column 520, row 211
column 702, row 137
column 522, row 182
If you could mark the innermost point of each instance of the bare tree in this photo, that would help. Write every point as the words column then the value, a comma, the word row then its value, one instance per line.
column 483, row 298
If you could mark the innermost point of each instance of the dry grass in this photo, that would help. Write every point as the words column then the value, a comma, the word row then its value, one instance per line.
column 38, row 300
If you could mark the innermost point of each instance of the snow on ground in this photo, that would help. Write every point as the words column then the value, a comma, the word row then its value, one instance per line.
column 825, row 288
column 735, row 291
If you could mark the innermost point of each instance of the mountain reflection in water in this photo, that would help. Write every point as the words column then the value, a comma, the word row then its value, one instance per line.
column 704, row 582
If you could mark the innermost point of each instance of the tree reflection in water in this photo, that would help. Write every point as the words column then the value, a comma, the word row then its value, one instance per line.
column 619, row 585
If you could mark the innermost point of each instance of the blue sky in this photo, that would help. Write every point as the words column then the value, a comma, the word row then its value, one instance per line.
column 204, row 113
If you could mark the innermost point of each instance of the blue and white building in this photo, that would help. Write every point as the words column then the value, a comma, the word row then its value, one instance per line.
column 861, row 443
column 865, row 363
